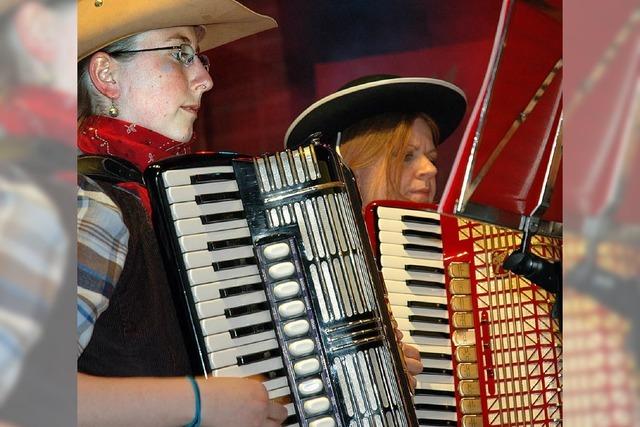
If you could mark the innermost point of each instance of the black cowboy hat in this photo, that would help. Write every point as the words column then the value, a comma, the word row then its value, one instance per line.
column 371, row 95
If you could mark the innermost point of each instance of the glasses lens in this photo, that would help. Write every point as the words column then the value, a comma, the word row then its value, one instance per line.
column 186, row 54
column 205, row 61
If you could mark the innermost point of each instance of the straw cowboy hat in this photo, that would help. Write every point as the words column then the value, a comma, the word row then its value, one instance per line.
column 371, row 95
column 102, row 22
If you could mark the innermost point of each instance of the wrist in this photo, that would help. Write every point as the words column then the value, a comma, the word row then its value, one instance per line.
column 197, row 415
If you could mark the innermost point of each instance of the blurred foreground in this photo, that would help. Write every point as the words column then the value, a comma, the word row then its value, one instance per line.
column 601, row 215
column 37, row 186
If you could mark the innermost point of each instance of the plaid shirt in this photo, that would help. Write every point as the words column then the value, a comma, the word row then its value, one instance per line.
column 102, row 249
column 33, row 255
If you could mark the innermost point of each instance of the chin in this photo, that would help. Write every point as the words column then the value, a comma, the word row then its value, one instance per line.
column 419, row 198
column 182, row 136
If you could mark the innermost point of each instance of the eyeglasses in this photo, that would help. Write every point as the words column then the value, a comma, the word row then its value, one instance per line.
column 183, row 53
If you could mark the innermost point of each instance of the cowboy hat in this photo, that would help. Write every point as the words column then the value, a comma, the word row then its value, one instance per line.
column 369, row 96
column 102, row 22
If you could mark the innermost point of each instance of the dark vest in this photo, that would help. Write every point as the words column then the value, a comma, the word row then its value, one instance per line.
column 139, row 333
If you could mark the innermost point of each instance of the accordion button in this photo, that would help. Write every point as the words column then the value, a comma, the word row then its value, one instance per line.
column 281, row 270
column 276, row 251
column 323, row 422
column 307, row 367
column 291, row 309
column 309, row 387
column 296, row 328
column 316, row 406
column 286, row 289
column 301, row 347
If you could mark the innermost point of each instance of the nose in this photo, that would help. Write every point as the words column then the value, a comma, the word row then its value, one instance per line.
column 201, row 80
column 426, row 168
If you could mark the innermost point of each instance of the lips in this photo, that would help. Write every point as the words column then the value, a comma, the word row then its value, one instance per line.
column 422, row 196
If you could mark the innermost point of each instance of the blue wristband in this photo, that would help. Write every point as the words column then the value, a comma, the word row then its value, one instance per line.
column 195, row 422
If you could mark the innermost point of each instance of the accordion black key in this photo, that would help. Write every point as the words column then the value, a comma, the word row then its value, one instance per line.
column 274, row 277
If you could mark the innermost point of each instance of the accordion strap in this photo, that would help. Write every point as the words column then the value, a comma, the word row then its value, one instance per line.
column 110, row 169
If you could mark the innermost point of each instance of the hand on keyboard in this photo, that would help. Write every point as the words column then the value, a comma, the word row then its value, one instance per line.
column 413, row 362
column 411, row 355
column 238, row 402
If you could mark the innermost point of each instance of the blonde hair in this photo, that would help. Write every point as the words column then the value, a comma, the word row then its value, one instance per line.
column 374, row 150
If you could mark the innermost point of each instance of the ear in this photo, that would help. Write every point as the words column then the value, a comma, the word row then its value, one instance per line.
column 201, row 30
column 103, row 70
column 33, row 23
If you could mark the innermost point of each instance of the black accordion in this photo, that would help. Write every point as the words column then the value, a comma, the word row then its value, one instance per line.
column 274, row 277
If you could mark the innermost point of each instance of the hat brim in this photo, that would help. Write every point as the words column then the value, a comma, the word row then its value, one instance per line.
column 444, row 102
column 224, row 21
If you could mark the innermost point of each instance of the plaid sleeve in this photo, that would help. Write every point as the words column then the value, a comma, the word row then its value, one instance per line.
column 102, row 249
column 33, row 255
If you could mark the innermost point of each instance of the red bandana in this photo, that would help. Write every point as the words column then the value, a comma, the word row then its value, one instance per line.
column 140, row 146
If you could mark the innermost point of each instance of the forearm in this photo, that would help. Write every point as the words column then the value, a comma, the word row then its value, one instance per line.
column 156, row 401
column 134, row 401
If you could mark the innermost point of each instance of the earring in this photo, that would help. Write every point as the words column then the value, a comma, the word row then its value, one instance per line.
column 113, row 110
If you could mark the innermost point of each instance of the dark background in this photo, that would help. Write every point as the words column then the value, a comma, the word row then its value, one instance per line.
column 262, row 82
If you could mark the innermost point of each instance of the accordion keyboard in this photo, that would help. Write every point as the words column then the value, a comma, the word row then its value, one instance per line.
column 227, row 289
column 413, row 271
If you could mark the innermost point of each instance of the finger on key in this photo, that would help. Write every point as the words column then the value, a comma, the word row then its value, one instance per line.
column 411, row 351
column 414, row 367
column 277, row 412
column 413, row 383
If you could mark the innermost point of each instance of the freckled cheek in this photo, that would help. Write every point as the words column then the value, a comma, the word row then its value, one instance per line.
column 165, row 68
column 173, row 76
column 164, row 103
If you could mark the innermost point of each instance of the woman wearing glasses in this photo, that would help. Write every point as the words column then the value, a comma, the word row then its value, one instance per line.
column 140, row 84
column 157, row 88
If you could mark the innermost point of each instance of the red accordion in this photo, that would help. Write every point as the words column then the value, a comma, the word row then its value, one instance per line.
column 489, row 343
column 490, row 346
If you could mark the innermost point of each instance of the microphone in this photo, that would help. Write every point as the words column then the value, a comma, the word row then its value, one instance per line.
column 544, row 273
